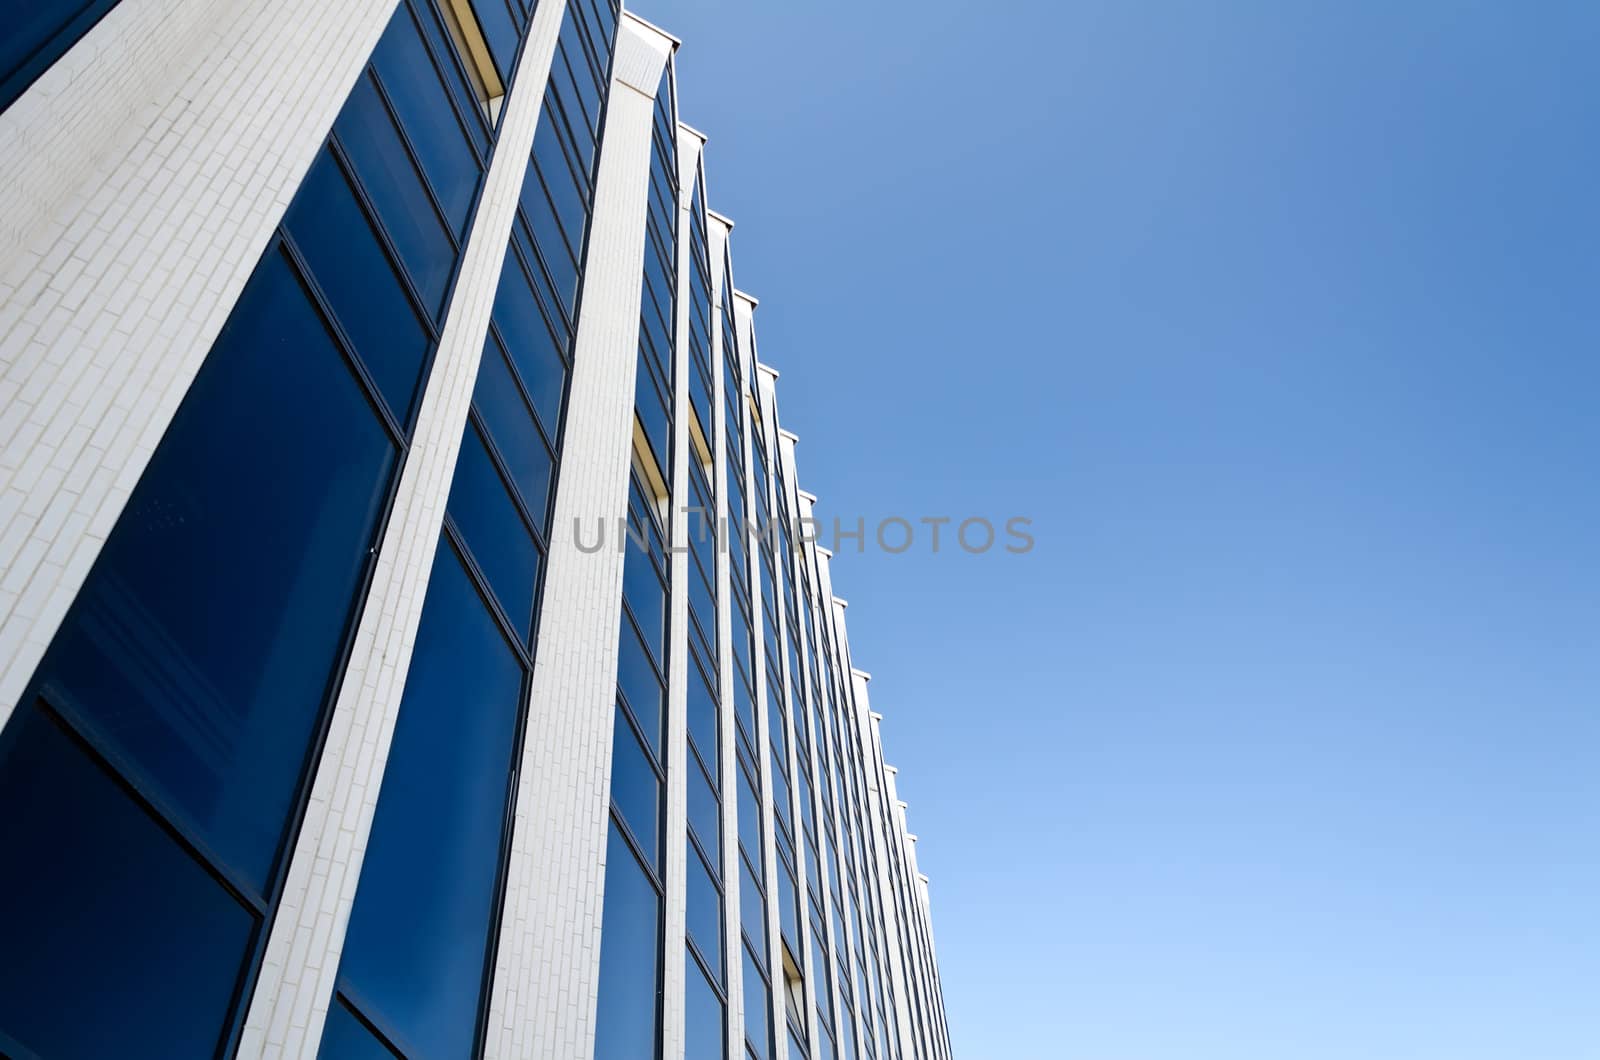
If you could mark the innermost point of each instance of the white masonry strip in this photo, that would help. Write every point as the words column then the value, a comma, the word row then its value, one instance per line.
column 296, row 983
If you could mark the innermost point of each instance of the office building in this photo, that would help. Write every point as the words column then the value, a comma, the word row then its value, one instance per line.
column 406, row 646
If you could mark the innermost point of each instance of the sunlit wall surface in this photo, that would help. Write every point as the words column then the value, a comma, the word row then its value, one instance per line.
column 331, row 417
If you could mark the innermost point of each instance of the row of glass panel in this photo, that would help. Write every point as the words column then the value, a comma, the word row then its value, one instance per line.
column 442, row 127
column 166, row 742
column 436, row 855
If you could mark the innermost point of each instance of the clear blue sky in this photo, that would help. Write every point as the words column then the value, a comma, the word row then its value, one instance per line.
column 1282, row 322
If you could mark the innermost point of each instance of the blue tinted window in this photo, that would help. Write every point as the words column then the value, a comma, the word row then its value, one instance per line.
column 347, row 1038
column 502, row 31
column 705, row 913
column 749, row 818
column 461, row 87
column 641, row 587
column 653, row 415
column 780, row 796
column 630, row 966
column 639, row 683
column 37, row 34
column 752, row 915
column 510, row 422
column 636, row 789
column 565, row 191
column 788, row 908
column 420, row 100
column 259, row 507
column 419, row 931
column 744, row 706
column 359, row 282
column 528, row 339
column 702, row 713
column 704, row 815
column 569, row 206
column 703, row 1029
column 116, row 942
column 560, row 262
column 386, row 171
column 757, row 1015
column 494, row 531
column 601, row 19
column 578, row 127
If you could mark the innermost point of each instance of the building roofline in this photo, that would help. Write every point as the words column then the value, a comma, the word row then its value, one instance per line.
column 652, row 27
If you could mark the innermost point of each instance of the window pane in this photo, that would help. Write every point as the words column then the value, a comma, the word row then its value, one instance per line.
column 419, row 931
column 201, row 645
column 557, row 173
column 602, row 24
column 702, row 718
column 37, row 34
column 788, row 921
column 462, row 85
column 749, row 818
column 653, row 415
column 493, row 529
column 641, row 587
column 744, row 706
column 511, row 425
column 347, row 1038
column 636, row 789
column 703, row 813
column 419, row 98
column 385, row 168
column 705, row 913
column 757, row 1017
column 528, row 339
column 501, row 33
column 752, row 914
column 361, row 285
column 639, row 683
column 630, row 972
column 704, row 1032
column 561, row 263
column 116, row 942
column 541, row 216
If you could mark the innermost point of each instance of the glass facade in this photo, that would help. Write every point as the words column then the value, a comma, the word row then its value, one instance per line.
column 415, row 967
column 759, row 892
column 631, row 947
column 32, row 36
column 186, row 691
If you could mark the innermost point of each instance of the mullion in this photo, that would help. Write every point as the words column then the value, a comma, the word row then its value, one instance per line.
column 522, row 389
column 541, row 284
column 430, row 24
column 347, row 347
column 480, row 583
column 374, row 220
column 415, row 159
column 450, row 96
column 651, row 876
column 504, row 471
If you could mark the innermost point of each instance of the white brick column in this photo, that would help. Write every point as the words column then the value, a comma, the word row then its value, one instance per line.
column 764, row 379
column 296, row 983
column 140, row 178
column 838, row 923
column 783, row 455
column 717, row 231
column 756, row 506
column 880, row 803
column 689, row 144
column 547, row 967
